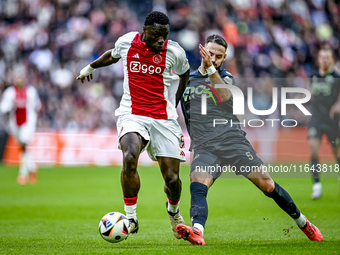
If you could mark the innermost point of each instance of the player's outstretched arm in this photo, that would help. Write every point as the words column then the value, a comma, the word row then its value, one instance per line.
column 183, row 82
column 215, row 78
column 104, row 60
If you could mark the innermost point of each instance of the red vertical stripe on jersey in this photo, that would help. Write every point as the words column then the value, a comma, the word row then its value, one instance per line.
column 145, row 72
column 20, row 106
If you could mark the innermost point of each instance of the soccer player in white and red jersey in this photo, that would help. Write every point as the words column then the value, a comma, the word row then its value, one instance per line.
column 147, row 113
column 22, row 103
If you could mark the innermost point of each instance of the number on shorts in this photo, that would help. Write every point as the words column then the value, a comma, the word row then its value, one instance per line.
column 181, row 145
column 248, row 154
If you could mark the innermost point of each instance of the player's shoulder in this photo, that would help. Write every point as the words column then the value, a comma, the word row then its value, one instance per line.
column 9, row 90
column 223, row 73
column 175, row 47
column 336, row 74
column 31, row 89
column 8, row 93
column 227, row 76
column 195, row 74
column 128, row 37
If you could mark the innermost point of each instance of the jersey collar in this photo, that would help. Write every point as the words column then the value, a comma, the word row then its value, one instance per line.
column 329, row 71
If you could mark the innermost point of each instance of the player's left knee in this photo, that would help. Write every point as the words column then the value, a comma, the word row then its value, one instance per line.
column 267, row 185
column 172, row 180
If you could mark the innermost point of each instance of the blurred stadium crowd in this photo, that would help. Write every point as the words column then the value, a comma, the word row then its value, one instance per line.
column 54, row 39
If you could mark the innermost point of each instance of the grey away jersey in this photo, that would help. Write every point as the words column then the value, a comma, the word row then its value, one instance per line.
column 201, row 127
column 326, row 89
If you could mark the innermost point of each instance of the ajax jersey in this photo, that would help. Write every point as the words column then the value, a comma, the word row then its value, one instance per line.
column 149, row 82
column 22, row 105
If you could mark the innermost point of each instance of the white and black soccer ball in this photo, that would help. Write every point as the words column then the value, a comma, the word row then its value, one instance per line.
column 114, row 227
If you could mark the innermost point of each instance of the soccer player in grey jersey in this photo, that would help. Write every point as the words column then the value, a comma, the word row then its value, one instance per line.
column 325, row 85
column 223, row 144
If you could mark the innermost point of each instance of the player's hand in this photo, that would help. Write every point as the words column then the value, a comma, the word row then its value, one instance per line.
column 205, row 56
column 335, row 110
column 86, row 72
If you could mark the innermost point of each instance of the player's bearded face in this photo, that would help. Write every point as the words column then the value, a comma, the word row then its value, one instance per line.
column 325, row 59
column 217, row 53
column 155, row 36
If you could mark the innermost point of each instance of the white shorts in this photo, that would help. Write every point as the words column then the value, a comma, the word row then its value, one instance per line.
column 23, row 133
column 165, row 137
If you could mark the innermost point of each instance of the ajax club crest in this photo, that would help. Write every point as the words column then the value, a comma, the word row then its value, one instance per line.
column 157, row 59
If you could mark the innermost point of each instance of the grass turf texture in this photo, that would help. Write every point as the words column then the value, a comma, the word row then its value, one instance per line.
column 61, row 213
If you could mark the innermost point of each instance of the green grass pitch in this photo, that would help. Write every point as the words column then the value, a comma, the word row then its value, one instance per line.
column 61, row 213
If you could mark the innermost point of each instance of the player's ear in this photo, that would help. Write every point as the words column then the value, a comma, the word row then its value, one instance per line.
column 225, row 55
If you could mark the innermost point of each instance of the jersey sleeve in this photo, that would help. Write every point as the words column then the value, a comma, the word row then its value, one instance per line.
column 228, row 78
column 7, row 102
column 37, row 102
column 182, row 63
column 115, row 52
column 185, row 106
column 337, row 83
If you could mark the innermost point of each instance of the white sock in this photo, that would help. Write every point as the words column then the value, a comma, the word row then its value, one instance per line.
column 31, row 166
column 199, row 227
column 131, row 211
column 23, row 170
column 173, row 208
column 301, row 221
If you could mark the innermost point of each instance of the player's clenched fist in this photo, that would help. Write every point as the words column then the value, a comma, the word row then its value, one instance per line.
column 86, row 72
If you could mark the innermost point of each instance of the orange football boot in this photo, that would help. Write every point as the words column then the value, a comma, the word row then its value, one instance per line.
column 312, row 231
column 193, row 235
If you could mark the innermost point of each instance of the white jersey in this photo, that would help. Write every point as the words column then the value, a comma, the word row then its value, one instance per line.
column 149, row 83
column 22, row 105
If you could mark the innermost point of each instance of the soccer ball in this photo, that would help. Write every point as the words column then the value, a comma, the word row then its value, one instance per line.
column 113, row 227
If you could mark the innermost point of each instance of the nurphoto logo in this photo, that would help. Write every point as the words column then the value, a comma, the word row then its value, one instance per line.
column 239, row 101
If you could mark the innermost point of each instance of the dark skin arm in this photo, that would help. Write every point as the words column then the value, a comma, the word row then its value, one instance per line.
column 105, row 59
column 183, row 81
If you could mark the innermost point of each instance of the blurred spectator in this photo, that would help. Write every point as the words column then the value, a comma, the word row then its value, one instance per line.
column 56, row 38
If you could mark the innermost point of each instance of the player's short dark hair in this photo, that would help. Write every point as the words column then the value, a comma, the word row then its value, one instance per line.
column 217, row 39
column 156, row 17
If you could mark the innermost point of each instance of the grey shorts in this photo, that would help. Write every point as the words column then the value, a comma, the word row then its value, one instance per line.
column 241, row 161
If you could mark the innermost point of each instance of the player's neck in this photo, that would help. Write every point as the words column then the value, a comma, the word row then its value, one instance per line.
column 20, row 87
column 327, row 71
column 142, row 39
